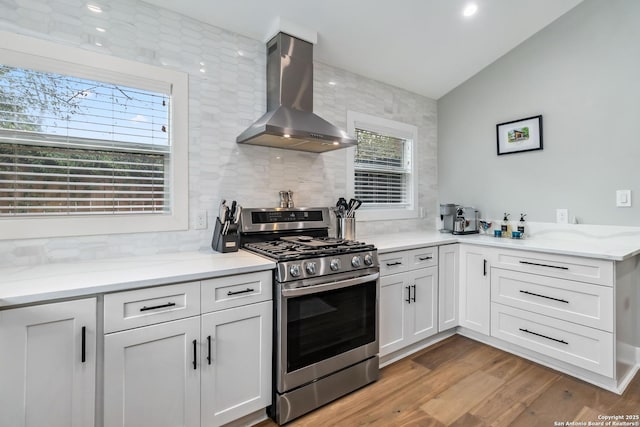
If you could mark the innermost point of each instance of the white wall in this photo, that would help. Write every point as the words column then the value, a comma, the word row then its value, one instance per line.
column 223, row 102
column 582, row 73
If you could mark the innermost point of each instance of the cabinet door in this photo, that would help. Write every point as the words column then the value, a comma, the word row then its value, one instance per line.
column 421, row 314
column 48, row 364
column 394, row 291
column 448, row 273
column 475, row 288
column 236, row 362
column 152, row 375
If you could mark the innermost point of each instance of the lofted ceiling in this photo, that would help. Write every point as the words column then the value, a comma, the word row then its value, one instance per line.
column 424, row 46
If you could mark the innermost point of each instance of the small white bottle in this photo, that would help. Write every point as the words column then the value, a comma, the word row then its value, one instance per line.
column 506, row 226
column 521, row 225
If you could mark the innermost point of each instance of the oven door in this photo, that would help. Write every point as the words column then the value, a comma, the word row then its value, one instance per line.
column 325, row 327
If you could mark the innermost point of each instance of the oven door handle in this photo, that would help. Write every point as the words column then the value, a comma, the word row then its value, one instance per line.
column 329, row 286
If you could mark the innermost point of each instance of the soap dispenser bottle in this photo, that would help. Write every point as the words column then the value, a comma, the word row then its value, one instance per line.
column 521, row 225
column 505, row 226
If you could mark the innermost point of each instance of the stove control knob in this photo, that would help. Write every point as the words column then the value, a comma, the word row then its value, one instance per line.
column 356, row 261
column 368, row 260
column 335, row 264
column 311, row 268
column 294, row 270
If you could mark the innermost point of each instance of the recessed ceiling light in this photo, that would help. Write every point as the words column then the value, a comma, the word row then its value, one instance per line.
column 101, row 30
column 240, row 53
column 332, row 83
column 203, row 70
column 336, row 143
column 98, row 44
column 94, row 8
column 286, row 135
column 202, row 63
column 470, row 9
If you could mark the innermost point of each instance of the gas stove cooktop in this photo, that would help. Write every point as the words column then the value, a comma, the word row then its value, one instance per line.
column 293, row 248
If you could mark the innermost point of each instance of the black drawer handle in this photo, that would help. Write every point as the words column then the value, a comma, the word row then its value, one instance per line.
column 484, row 267
column 246, row 291
column 414, row 293
column 209, row 349
column 544, row 336
column 544, row 296
column 169, row 304
column 425, row 258
column 544, row 265
column 408, row 288
column 391, row 264
column 195, row 349
column 83, row 348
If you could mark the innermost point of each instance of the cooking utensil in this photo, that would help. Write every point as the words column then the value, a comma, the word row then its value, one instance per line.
column 353, row 205
column 342, row 207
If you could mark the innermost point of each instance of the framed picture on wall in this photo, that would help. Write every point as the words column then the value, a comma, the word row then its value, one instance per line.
column 519, row 135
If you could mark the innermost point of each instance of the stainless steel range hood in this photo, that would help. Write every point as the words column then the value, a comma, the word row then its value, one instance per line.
column 290, row 122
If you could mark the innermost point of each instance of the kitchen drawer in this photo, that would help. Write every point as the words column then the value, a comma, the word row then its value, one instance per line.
column 142, row 307
column 423, row 257
column 587, row 348
column 234, row 291
column 587, row 270
column 393, row 262
column 583, row 303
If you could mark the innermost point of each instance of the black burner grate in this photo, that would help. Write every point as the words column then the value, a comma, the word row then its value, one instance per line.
column 287, row 250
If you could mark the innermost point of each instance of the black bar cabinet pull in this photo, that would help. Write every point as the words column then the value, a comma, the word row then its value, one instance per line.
column 414, row 293
column 209, row 349
column 246, row 291
column 391, row 264
column 425, row 258
column 83, row 348
column 544, row 296
column 544, row 336
column 408, row 294
column 195, row 349
column 169, row 304
column 484, row 267
column 544, row 265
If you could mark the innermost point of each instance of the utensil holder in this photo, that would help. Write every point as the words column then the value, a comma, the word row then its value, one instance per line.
column 346, row 228
column 225, row 242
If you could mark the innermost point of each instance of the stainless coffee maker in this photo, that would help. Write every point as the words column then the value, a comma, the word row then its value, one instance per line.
column 458, row 219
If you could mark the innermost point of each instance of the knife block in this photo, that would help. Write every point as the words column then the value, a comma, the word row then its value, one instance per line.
column 225, row 242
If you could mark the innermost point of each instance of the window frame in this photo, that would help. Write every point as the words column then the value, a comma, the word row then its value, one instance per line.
column 22, row 51
column 390, row 128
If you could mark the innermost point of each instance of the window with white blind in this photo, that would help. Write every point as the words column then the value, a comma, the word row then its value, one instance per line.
column 383, row 171
column 89, row 149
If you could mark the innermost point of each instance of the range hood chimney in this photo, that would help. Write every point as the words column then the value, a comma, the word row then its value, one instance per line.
column 289, row 121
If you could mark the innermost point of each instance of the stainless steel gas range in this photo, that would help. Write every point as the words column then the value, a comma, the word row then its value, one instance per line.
column 326, row 307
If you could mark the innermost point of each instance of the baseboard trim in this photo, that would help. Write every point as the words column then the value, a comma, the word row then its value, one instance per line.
column 598, row 380
column 390, row 358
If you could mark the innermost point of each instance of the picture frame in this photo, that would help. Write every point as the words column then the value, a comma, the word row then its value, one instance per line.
column 520, row 135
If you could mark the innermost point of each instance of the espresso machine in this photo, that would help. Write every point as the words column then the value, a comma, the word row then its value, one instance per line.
column 458, row 219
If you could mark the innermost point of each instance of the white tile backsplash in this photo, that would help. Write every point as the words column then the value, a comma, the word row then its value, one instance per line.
column 223, row 101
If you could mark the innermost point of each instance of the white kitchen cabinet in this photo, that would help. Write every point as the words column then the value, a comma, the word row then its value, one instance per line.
column 475, row 288
column 236, row 362
column 48, row 365
column 448, row 273
column 408, row 301
column 152, row 375
column 208, row 368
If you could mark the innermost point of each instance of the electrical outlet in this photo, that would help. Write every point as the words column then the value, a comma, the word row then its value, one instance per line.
column 201, row 220
column 623, row 198
column 562, row 216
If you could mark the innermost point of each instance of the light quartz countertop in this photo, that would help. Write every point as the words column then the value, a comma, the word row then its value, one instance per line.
column 41, row 283
column 615, row 247
column 24, row 285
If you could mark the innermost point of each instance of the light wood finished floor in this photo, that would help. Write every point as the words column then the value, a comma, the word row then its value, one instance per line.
column 460, row 382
